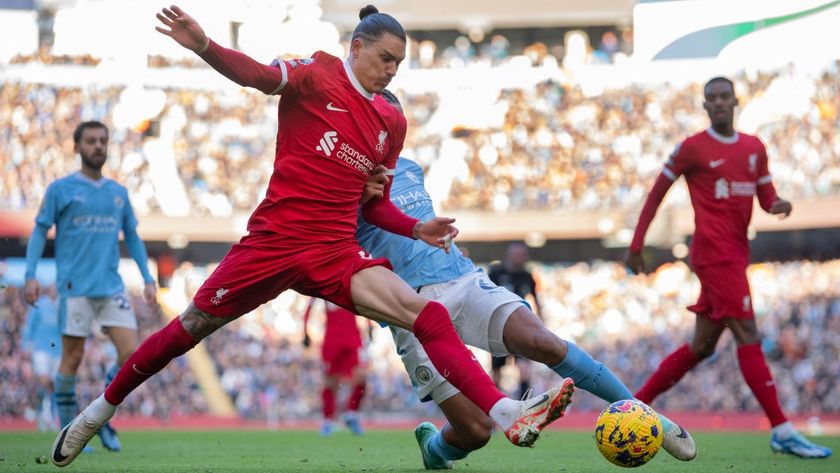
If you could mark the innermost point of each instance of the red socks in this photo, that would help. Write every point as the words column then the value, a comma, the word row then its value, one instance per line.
column 151, row 356
column 328, row 403
column 434, row 329
column 355, row 398
column 670, row 370
column 758, row 378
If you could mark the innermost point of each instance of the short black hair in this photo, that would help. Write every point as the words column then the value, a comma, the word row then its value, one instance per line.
column 373, row 24
column 77, row 135
column 718, row 79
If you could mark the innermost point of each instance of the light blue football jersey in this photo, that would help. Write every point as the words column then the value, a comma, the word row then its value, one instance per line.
column 88, row 216
column 41, row 332
column 413, row 260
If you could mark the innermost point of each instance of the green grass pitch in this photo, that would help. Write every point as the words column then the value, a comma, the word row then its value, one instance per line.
column 386, row 451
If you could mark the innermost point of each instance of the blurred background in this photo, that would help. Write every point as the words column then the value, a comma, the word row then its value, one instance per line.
column 537, row 121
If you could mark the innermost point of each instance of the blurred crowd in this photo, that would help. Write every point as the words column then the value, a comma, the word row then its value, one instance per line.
column 550, row 147
column 173, row 391
column 440, row 49
column 627, row 322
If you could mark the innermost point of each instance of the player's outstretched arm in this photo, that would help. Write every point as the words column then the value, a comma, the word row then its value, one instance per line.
column 234, row 65
column 183, row 29
column 437, row 232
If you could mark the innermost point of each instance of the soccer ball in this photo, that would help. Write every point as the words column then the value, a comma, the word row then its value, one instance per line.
column 628, row 433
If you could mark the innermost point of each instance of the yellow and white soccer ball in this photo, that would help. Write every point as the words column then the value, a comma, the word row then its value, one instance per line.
column 628, row 433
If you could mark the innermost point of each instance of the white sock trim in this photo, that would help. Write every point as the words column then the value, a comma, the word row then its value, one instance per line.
column 784, row 430
column 505, row 412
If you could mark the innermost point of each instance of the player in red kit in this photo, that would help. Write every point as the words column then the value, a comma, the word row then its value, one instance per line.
column 341, row 354
column 335, row 129
column 725, row 170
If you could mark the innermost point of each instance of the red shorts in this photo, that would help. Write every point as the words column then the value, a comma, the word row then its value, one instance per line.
column 261, row 266
column 724, row 292
column 340, row 358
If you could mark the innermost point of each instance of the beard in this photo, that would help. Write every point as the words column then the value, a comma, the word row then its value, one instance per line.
column 94, row 161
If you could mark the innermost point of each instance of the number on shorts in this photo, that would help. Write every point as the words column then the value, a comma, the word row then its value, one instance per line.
column 122, row 301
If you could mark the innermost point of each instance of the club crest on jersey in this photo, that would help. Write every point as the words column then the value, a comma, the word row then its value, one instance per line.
column 721, row 189
column 753, row 159
column 423, row 374
column 381, row 145
column 217, row 299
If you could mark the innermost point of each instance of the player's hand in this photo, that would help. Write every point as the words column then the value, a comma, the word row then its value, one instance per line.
column 781, row 207
column 183, row 29
column 306, row 340
column 437, row 232
column 375, row 185
column 635, row 262
column 31, row 291
column 150, row 293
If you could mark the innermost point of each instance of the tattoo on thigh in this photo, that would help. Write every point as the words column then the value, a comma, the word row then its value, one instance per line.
column 200, row 324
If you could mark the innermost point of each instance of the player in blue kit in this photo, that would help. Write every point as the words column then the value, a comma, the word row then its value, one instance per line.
column 41, row 339
column 486, row 316
column 88, row 211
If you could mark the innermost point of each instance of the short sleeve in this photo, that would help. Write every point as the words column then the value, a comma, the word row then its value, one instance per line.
column 762, row 167
column 296, row 76
column 679, row 162
column 49, row 207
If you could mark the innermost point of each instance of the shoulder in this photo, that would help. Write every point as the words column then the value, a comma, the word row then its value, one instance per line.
column 61, row 184
column 696, row 139
column 387, row 111
column 751, row 140
column 67, row 180
column 407, row 165
column 321, row 59
column 114, row 187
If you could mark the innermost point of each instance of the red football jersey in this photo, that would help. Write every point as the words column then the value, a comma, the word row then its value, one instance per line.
column 341, row 326
column 723, row 174
column 331, row 134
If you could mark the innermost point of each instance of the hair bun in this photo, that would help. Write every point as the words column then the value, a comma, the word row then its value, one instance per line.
column 368, row 10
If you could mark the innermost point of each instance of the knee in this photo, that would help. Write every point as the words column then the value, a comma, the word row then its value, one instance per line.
column 703, row 351
column 544, row 347
column 199, row 324
column 72, row 358
column 476, row 432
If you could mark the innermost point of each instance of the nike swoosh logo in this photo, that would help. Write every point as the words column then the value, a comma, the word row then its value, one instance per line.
column 57, row 456
column 542, row 399
column 716, row 163
column 333, row 108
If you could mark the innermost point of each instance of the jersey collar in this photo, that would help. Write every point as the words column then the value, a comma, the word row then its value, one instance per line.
column 727, row 140
column 356, row 84
column 96, row 183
